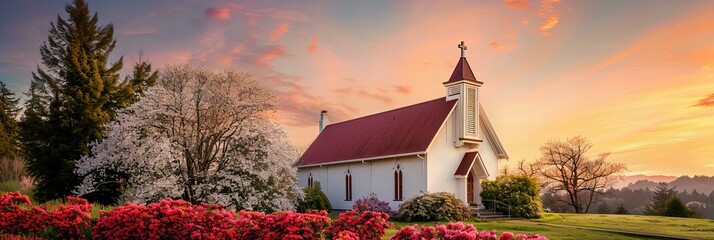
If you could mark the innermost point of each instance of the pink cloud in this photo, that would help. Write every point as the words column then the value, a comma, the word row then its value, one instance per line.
column 131, row 31
column 706, row 102
column 312, row 48
column 219, row 13
column 516, row 4
column 279, row 31
column 270, row 55
column 287, row 15
column 251, row 18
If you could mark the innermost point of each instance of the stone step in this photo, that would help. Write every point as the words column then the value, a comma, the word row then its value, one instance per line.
column 489, row 213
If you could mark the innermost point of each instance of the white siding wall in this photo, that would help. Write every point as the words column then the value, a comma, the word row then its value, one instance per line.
column 376, row 176
column 443, row 159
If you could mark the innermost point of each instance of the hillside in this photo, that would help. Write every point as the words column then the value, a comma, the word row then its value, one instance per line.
column 703, row 184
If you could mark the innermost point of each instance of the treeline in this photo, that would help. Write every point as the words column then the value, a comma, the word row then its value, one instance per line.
column 702, row 184
column 636, row 201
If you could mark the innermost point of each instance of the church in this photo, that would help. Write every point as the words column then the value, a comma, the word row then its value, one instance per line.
column 442, row 145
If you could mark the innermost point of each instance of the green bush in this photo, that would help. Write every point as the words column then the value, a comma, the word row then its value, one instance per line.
column 520, row 192
column 314, row 199
column 439, row 206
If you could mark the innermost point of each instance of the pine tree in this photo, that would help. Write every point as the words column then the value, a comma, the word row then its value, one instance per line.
column 9, row 140
column 71, row 99
column 621, row 209
column 658, row 204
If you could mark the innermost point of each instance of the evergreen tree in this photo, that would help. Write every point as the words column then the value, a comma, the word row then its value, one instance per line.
column 621, row 209
column 603, row 208
column 9, row 141
column 71, row 98
column 676, row 208
column 658, row 203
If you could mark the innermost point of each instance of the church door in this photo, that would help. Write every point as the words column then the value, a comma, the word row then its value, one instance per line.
column 470, row 188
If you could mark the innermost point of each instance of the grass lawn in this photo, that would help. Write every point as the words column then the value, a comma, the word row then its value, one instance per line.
column 518, row 228
column 685, row 227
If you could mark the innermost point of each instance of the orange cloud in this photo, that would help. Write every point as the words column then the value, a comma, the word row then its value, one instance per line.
column 279, row 31
column 524, row 21
column 222, row 13
column 406, row 90
column 549, row 24
column 516, row 4
column 270, row 55
column 503, row 48
column 706, row 102
column 312, row 48
column 550, row 13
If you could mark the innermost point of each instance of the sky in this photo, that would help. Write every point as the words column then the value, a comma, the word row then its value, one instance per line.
column 634, row 77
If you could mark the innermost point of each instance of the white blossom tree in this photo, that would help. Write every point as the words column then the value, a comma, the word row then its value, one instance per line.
column 201, row 136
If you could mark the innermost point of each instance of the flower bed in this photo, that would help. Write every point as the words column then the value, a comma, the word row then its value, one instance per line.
column 456, row 231
column 178, row 219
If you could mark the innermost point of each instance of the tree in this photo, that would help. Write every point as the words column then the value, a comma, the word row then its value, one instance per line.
column 201, row 136
column 676, row 208
column 9, row 140
column 658, row 203
column 621, row 209
column 71, row 98
column 603, row 208
column 518, row 191
column 564, row 167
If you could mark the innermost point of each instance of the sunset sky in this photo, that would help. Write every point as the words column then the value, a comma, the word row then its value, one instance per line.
column 634, row 77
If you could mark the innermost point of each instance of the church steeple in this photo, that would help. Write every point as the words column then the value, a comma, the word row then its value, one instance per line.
column 462, row 85
column 463, row 72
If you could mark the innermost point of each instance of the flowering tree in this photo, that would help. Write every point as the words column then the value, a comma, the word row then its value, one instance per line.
column 197, row 135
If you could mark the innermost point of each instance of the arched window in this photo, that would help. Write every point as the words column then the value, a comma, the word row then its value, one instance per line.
column 309, row 180
column 348, row 185
column 398, row 193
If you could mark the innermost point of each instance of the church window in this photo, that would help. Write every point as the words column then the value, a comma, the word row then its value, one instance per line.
column 309, row 180
column 348, row 185
column 471, row 111
column 398, row 193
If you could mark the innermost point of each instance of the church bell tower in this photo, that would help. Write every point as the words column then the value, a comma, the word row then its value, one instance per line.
column 462, row 85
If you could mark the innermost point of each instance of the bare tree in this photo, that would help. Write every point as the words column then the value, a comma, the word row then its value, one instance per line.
column 564, row 167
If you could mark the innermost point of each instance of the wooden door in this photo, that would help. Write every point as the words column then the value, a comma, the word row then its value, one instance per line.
column 470, row 188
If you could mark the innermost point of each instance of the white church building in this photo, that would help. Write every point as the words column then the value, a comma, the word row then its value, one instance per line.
column 442, row 145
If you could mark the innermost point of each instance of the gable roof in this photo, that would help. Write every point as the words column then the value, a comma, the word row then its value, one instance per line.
column 471, row 161
column 462, row 71
column 406, row 130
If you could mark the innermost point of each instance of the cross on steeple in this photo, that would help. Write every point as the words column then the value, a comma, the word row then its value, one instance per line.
column 463, row 49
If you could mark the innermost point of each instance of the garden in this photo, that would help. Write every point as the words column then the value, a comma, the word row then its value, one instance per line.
column 178, row 219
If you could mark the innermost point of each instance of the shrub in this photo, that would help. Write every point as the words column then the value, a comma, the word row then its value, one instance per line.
column 373, row 204
column 68, row 221
column 173, row 219
column 520, row 192
column 346, row 235
column 454, row 231
column 440, row 206
column 366, row 224
column 285, row 225
column 314, row 199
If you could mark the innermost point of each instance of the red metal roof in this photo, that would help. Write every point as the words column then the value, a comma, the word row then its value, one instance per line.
column 462, row 72
column 400, row 131
column 466, row 163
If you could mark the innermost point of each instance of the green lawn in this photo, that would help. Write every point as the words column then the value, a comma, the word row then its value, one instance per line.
column 685, row 227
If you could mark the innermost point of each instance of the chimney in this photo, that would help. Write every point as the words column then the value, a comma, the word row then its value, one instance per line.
column 323, row 120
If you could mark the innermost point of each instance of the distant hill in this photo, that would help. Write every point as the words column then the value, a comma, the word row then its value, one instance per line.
column 634, row 178
column 703, row 184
